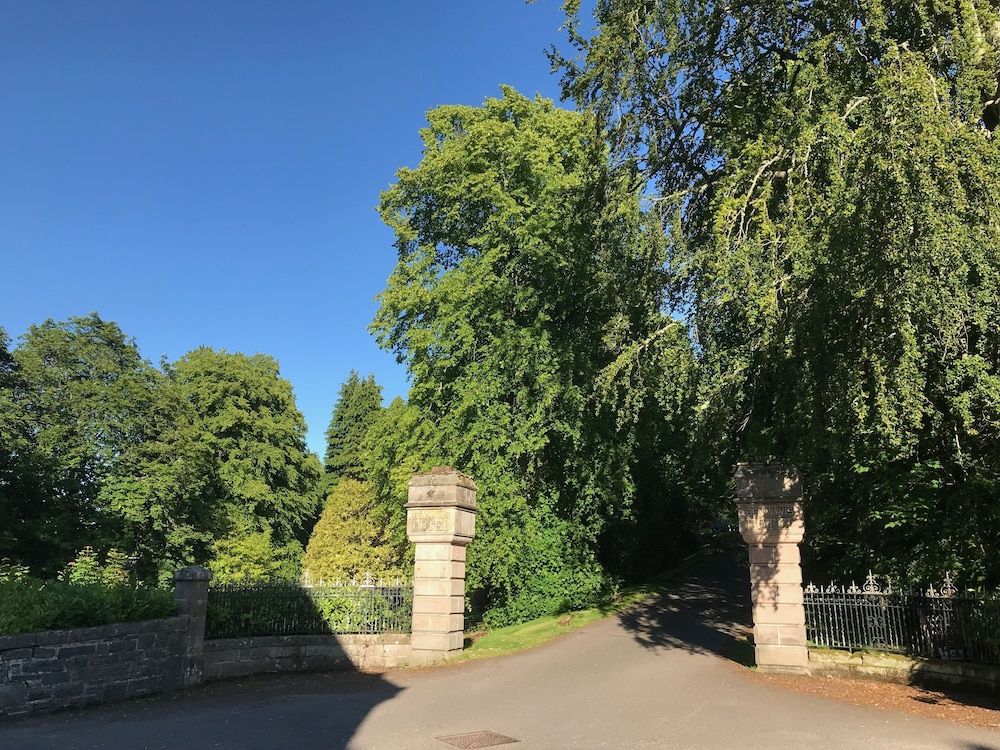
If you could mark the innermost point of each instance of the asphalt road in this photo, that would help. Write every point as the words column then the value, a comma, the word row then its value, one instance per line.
column 655, row 678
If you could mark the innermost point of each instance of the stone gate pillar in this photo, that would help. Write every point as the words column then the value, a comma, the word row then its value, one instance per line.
column 191, row 596
column 440, row 521
column 769, row 505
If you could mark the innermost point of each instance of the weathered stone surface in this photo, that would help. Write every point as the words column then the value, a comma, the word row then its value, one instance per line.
column 441, row 522
column 80, row 666
column 779, row 635
column 904, row 669
column 771, row 518
column 9, row 642
column 775, row 658
column 767, row 481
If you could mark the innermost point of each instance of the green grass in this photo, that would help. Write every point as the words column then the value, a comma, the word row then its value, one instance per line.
column 513, row 638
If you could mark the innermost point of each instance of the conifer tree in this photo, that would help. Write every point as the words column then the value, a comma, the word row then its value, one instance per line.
column 351, row 538
column 358, row 407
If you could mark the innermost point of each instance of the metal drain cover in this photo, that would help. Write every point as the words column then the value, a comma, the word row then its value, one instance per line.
column 471, row 740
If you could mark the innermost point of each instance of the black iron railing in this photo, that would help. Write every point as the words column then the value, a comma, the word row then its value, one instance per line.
column 936, row 623
column 368, row 606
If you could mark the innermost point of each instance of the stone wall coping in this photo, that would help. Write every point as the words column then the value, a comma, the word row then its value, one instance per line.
column 273, row 641
column 902, row 668
column 95, row 633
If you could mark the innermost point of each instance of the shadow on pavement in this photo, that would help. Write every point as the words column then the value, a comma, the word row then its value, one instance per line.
column 708, row 611
column 320, row 711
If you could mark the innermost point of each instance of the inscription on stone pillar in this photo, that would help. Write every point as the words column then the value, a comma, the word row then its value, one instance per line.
column 428, row 521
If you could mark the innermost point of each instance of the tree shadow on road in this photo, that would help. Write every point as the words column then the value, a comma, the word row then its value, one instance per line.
column 707, row 611
column 315, row 711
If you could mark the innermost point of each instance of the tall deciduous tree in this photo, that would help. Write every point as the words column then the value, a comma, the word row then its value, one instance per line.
column 526, row 306
column 358, row 407
column 247, row 412
column 25, row 533
column 165, row 489
column 86, row 393
column 829, row 178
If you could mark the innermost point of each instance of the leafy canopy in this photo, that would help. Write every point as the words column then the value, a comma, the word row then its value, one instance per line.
column 526, row 270
column 828, row 179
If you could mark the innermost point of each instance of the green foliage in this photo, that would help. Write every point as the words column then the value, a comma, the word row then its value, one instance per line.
column 358, row 407
column 99, row 448
column 526, row 273
column 166, row 489
column 248, row 556
column 401, row 443
column 829, row 181
column 23, row 494
column 29, row 604
column 11, row 572
column 80, row 394
column 268, row 481
column 350, row 539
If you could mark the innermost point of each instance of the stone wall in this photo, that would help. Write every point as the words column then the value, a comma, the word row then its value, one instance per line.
column 239, row 657
column 79, row 667
column 63, row 668
column 906, row 670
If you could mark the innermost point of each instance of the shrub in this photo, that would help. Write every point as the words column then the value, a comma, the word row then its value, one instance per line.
column 252, row 557
column 11, row 571
column 29, row 604
column 87, row 568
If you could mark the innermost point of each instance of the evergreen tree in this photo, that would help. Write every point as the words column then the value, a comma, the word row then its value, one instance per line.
column 358, row 407
column 350, row 538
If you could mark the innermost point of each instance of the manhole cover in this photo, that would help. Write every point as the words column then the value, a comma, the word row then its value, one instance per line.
column 471, row 740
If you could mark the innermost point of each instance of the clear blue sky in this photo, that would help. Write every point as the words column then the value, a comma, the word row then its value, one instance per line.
column 205, row 173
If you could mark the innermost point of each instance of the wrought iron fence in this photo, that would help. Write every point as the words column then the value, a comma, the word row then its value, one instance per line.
column 936, row 623
column 366, row 606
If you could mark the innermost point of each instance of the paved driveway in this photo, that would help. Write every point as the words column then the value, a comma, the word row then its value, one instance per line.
column 653, row 679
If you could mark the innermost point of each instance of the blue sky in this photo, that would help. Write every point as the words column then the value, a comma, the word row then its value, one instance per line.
column 205, row 173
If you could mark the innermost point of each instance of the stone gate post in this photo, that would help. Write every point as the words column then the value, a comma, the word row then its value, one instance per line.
column 769, row 505
column 191, row 595
column 440, row 521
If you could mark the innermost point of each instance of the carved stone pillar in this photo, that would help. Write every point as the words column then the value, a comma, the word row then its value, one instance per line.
column 769, row 505
column 440, row 521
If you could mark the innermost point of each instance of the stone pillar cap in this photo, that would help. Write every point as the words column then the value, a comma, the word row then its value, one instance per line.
column 443, row 475
column 763, row 482
column 442, row 487
column 193, row 573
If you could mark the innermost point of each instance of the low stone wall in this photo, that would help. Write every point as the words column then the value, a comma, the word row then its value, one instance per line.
column 79, row 667
column 904, row 669
column 239, row 657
